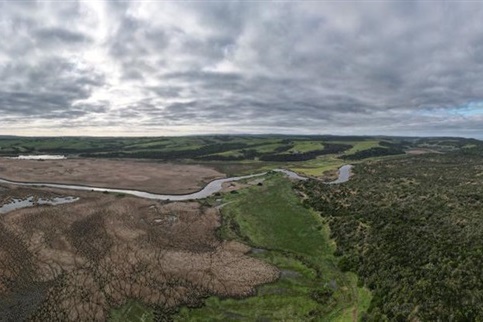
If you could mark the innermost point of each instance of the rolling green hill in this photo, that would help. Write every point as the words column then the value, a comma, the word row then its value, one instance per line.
column 309, row 155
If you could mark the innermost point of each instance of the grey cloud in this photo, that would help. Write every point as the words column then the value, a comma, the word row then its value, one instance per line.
column 45, row 90
column 57, row 35
column 308, row 67
column 166, row 91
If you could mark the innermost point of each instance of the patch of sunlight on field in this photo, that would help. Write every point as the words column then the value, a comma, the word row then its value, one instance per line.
column 318, row 166
column 362, row 145
column 231, row 153
column 306, row 146
column 318, row 171
column 266, row 148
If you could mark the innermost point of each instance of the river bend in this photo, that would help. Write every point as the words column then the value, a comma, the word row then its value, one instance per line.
column 211, row 188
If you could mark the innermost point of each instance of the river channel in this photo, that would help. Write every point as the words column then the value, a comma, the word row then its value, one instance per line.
column 31, row 201
column 211, row 188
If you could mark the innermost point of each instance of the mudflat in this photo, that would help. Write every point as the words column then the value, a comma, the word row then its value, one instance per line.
column 164, row 178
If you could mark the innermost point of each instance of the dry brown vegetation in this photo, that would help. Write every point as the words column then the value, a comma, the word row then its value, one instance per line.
column 77, row 261
column 129, row 174
column 419, row 151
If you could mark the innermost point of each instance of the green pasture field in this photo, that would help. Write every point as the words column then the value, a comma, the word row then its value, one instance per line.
column 294, row 239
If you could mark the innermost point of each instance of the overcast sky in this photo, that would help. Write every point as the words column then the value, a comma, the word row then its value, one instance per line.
column 174, row 68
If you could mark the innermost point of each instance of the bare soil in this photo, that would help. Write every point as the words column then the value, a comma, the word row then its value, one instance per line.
column 74, row 262
column 154, row 177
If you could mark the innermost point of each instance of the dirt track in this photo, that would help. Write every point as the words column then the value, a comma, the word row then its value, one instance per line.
column 154, row 177
column 77, row 261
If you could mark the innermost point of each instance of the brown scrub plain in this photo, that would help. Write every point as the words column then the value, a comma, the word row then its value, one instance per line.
column 167, row 178
column 78, row 261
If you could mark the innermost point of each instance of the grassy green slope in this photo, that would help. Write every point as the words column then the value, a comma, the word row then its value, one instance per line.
column 306, row 146
column 293, row 238
column 361, row 145
column 132, row 311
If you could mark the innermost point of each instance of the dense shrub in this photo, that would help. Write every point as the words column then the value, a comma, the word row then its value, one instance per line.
column 411, row 229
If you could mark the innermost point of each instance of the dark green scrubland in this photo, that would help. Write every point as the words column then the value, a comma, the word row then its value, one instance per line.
column 412, row 229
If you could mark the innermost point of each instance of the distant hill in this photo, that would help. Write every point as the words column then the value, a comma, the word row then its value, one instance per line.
column 269, row 147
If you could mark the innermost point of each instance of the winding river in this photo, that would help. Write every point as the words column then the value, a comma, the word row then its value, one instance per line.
column 211, row 188
column 344, row 174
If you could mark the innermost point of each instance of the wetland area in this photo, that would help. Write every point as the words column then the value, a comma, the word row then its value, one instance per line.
column 82, row 234
column 209, row 189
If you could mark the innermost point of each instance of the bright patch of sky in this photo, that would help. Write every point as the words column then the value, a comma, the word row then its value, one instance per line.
column 471, row 109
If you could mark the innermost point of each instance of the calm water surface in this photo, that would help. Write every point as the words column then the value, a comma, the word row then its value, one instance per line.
column 31, row 201
column 40, row 157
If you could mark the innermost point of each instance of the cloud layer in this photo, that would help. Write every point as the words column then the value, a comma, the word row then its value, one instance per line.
column 172, row 68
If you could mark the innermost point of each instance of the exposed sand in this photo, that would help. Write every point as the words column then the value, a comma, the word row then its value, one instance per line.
column 164, row 178
column 77, row 261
